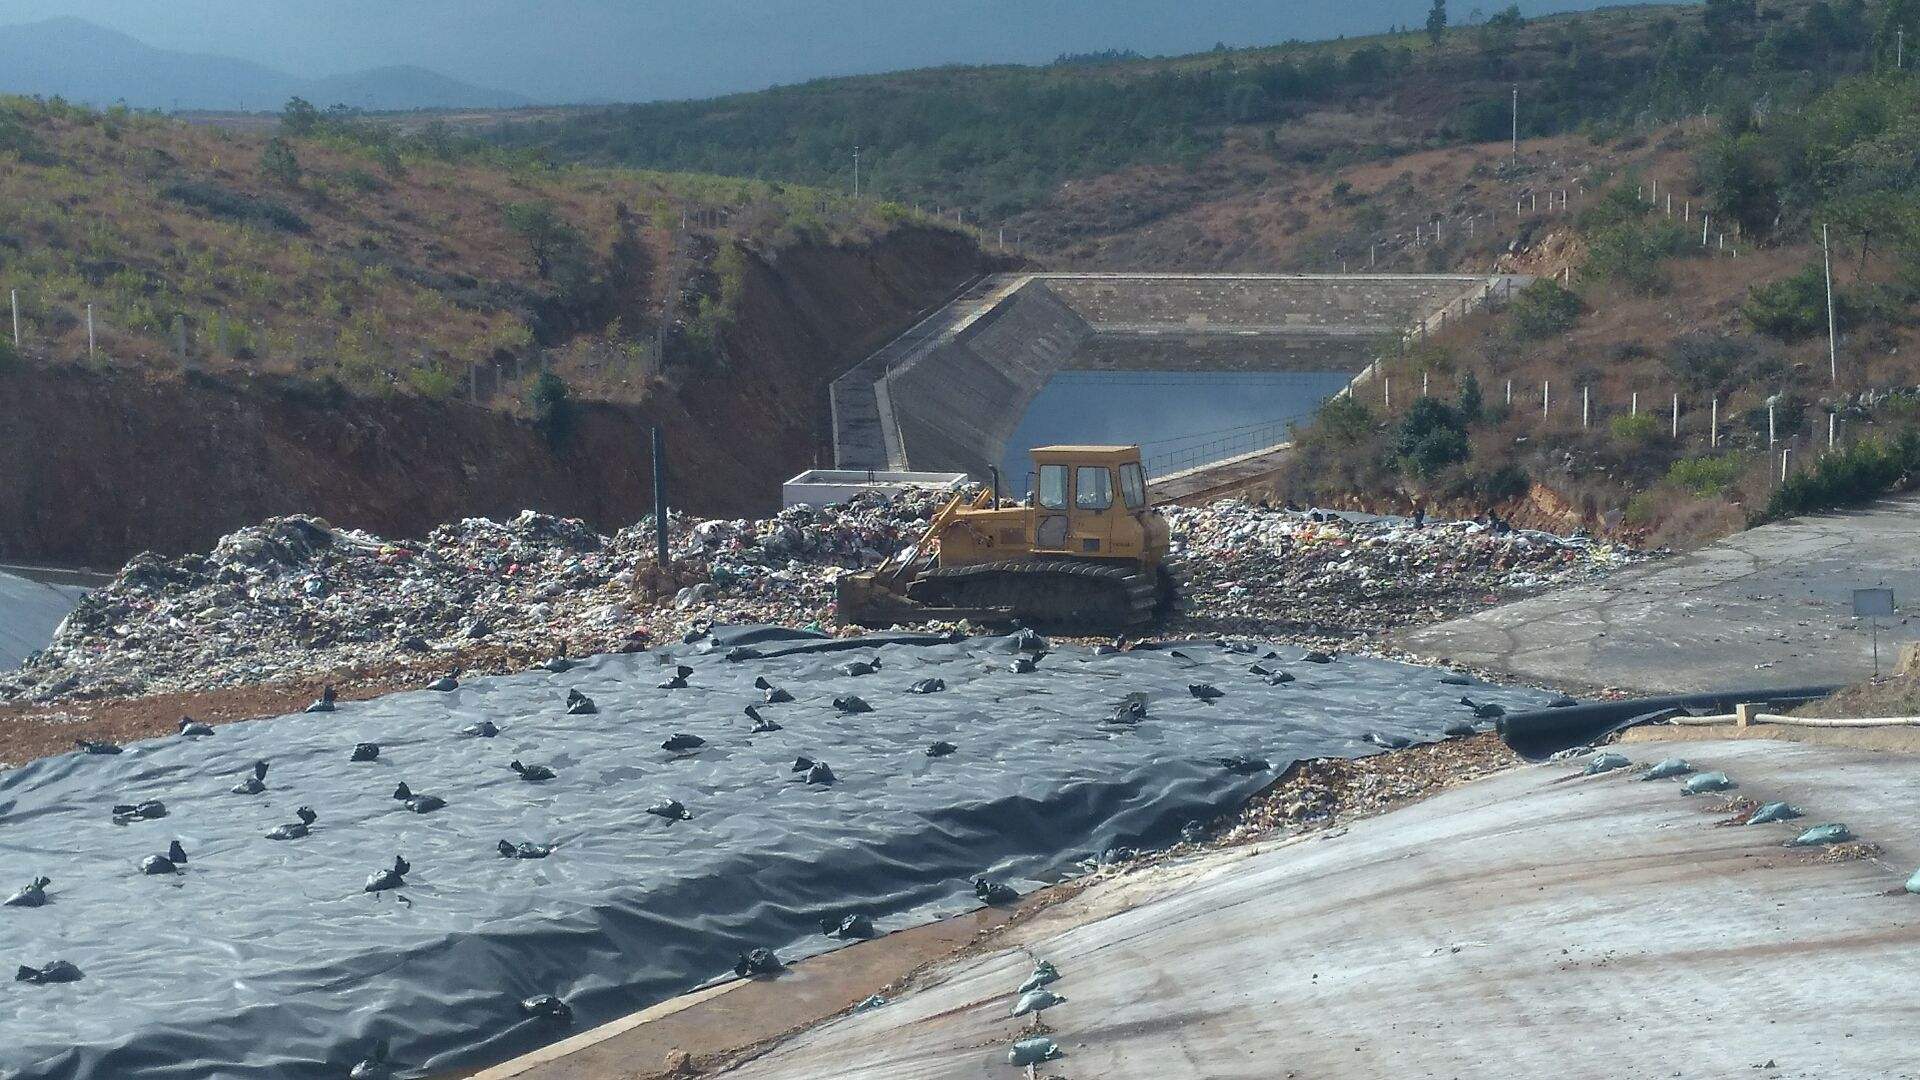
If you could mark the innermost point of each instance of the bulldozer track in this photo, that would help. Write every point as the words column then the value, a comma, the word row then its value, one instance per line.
column 1065, row 593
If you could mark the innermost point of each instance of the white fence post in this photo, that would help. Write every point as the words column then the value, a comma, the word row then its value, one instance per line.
column 1676, row 416
column 14, row 296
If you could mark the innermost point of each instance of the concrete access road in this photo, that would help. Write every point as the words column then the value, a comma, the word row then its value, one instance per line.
column 1537, row 923
column 1767, row 607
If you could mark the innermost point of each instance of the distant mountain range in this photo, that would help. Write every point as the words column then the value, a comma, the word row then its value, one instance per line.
column 83, row 62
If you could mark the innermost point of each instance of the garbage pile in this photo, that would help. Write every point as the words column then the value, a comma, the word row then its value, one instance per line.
column 296, row 597
column 1322, row 577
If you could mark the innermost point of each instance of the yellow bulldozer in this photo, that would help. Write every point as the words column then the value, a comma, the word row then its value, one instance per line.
column 1083, row 554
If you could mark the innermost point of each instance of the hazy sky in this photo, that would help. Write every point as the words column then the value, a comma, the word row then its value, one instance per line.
column 577, row 50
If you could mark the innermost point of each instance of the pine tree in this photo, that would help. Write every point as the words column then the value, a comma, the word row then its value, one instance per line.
column 1437, row 21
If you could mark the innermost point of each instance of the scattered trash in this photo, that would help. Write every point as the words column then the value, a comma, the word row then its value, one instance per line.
column 294, row 596
column 873, row 1001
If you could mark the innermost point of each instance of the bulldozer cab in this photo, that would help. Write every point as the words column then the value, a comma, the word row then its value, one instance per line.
column 1090, row 502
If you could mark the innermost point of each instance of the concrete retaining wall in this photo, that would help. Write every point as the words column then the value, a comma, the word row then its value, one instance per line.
column 947, row 396
column 956, row 405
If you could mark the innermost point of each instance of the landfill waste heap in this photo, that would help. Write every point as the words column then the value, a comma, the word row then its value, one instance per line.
column 294, row 597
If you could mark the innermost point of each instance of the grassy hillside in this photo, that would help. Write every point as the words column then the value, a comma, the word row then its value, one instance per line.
column 388, row 263
column 1739, row 334
column 1149, row 136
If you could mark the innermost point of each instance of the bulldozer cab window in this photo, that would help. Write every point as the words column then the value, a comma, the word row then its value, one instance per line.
column 1053, row 487
column 1133, row 486
column 1093, row 488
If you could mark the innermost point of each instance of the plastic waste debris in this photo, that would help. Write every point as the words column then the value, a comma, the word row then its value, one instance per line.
column 90, row 746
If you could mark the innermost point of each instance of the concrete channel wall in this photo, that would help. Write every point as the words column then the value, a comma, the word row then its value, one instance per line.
column 948, row 394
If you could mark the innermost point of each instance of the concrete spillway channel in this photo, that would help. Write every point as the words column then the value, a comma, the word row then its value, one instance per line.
column 949, row 394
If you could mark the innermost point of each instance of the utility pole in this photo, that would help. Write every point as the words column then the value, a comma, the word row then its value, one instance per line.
column 662, row 557
column 1516, row 123
column 1833, row 352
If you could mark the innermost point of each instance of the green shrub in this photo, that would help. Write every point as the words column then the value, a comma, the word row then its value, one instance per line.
column 1471, row 405
column 1343, row 421
column 1544, row 309
column 1707, row 475
column 1793, row 308
column 1635, row 429
column 1635, row 255
column 1431, row 437
column 279, row 163
column 1861, row 472
column 552, row 406
column 434, row 382
column 221, row 202
column 9, row 356
column 362, row 181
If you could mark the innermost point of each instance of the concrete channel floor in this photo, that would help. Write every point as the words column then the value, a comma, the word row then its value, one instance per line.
column 1771, row 606
column 1535, row 923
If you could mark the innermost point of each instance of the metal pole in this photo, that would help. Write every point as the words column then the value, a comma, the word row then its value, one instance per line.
column 1516, row 126
column 1783, row 463
column 1833, row 350
column 1771, row 440
column 89, row 332
column 1386, row 392
column 662, row 558
column 14, row 295
column 1426, row 382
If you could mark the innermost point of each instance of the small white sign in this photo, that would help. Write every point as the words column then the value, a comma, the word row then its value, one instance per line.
column 1872, row 603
